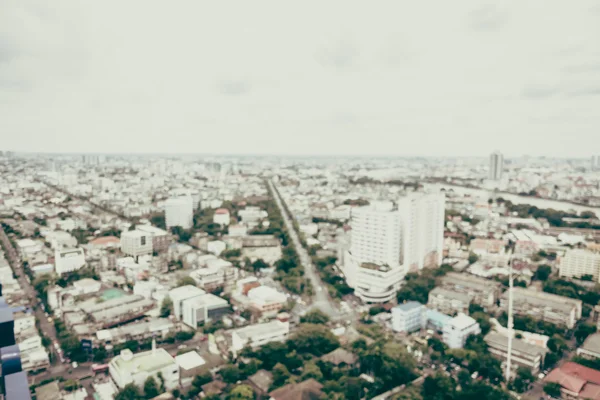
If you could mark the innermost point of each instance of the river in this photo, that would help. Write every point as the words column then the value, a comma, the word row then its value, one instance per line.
column 514, row 198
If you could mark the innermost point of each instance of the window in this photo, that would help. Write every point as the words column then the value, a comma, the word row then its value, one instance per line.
column 143, row 240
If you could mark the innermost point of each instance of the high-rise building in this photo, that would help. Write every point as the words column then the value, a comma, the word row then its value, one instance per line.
column 577, row 263
column 179, row 211
column 422, row 218
column 387, row 242
column 496, row 166
column 595, row 163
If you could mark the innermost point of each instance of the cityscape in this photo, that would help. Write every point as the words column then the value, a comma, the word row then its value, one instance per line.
column 167, row 277
column 316, row 200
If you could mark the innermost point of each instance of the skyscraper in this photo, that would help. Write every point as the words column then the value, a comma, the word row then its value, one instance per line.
column 496, row 166
column 388, row 241
column 595, row 163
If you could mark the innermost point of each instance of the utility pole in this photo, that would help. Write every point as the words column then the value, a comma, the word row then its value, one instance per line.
column 510, row 318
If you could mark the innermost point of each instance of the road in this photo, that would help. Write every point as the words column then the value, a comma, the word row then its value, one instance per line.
column 321, row 298
column 15, row 261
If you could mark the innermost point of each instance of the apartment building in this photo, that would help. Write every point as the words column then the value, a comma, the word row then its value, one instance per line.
column 456, row 331
column 182, row 293
column 139, row 331
column 523, row 354
column 548, row 307
column 136, row 243
column 68, row 260
column 179, row 211
column 484, row 292
column 579, row 262
column 129, row 368
column 161, row 239
column 408, row 317
column 199, row 309
column 449, row 301
column 266, row 300
column 496, row 166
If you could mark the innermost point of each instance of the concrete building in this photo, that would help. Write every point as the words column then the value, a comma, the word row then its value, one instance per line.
column 484, row 292
column 161, row 239
column 548, row 307
column 423, row 229
column 259, row 334
column 458, row 329
column 408, row 317
column 523, row 354
column 139, row 331
column 266, row 300
column 221, row 217
column 496, row 166
column 590, row 348
column 179, row 211
column 68, row 260
column 136, row 243
column 182, row 293
column 578, row 262
column 199, row 309
column 129, row 368
column 449, row 301
column 190, row 364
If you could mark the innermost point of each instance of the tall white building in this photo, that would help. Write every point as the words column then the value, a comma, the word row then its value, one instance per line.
column 578, row 262
column 136, row 243
column 496, row 166
column 129, row 368
column 458, row 329
column 422, row 216
column 179, row 211
column 388, row 242
column 595, row 163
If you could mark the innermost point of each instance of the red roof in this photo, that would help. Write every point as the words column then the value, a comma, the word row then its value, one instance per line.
column 569, row 382
column 222, row 211
column 590, row 391
column 585, row 373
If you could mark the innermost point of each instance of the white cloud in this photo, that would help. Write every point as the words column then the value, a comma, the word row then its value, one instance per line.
column 336, row 77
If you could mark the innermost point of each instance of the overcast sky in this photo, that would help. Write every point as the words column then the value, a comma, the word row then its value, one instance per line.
column 303, row 77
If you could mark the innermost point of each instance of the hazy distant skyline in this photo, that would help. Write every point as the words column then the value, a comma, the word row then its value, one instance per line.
column 461, row 78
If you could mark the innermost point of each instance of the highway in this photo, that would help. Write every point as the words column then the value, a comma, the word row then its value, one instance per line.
column 321, row 298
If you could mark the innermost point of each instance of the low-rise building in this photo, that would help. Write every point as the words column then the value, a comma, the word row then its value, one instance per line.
column 190, row 364
column 590, row 348
column 129, row 368
column 576, row 381
column 449, row 301
column 200, row 309
column 259, row 334
column 458, row 329
column 266, row 300
column 161, row 239
column 68, row 260
column 182, row 293
column 136, row 243
column 139, row 331
column 408, row 317
column 547, row 307
column 484, row 292
column 523, row 353
column 221, row 216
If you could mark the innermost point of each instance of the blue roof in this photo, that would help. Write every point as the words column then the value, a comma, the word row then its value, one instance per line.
column 411, row 305
column 437, row 317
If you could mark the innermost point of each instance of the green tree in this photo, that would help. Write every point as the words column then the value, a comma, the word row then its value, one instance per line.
column 242, row 392
column 583, row 330
column 230, row 373
column 151, row 388
column 259, row 264
column 473, row 258
column 543, row 273
column 313, row 339
column 129, row 392
column 438, row 387
column 280, row 375
column 71, row 385
column 311, row 370
column 552, row 389
column 315, row 316
column 186, row 280
column 100, row 354
column 166, row 307
column 523, row 379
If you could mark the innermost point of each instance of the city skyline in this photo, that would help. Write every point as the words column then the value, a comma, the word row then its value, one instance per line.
column 316, row 80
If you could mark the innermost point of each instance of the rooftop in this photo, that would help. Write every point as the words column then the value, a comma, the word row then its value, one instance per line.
column 261, row 329
column 451, row 294
column 147, row 361
column 411, row 305
column 592, row 343
column 500, row 341
column 190, row 360
column 462, row 321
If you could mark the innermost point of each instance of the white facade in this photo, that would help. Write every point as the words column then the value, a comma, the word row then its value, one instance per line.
column 182, row 293
column 423, row 227
column 372, row 283
column 496, row 166
column 577, row 263
column 259, row 334
column 179, row 211
column 69, row 260
column 266, row 300
column 458, row 329
column 129, row 368
column 136, row 243
column 408, row 317
column 221, row 217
